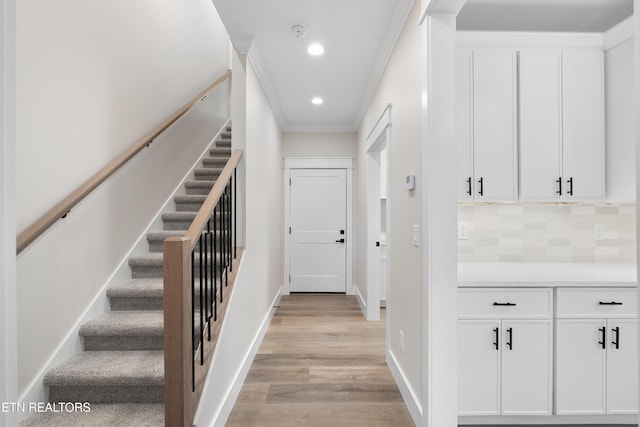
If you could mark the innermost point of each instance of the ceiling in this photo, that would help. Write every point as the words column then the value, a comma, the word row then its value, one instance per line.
column 543, row 15
column 358, row 37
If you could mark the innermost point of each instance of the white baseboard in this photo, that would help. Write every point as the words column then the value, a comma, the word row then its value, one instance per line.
column 361, row 302
column 72, row 343
column 410, row 399
column 581, row 420
column 222, row 415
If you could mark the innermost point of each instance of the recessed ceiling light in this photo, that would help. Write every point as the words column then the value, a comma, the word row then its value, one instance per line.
column 315, row 49
column 317, row 100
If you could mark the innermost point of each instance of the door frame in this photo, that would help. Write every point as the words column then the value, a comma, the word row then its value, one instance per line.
column 378, row 139
column 345, row 163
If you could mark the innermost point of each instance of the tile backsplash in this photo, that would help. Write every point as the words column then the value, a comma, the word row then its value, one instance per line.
column 546, row 232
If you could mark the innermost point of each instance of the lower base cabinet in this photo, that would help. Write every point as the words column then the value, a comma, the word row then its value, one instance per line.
column 597, row 366
column 505, row 359
column 505, row 367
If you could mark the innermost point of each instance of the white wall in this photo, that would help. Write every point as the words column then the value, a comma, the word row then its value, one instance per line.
column 319, row 144
column 401, row 86
column 620, row 129
column 260, row 276
column 92, row 78
column 8, row 333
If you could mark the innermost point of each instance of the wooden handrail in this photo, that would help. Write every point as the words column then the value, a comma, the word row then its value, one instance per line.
column 203, row 215
column 61, row 209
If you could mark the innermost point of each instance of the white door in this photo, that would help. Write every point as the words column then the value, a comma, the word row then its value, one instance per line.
column 622, row 366
column 479, row 343
column 527, row 373
column 318, row 216
column 580, row 366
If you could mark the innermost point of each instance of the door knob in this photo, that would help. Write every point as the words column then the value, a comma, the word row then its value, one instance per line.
column 340, row 241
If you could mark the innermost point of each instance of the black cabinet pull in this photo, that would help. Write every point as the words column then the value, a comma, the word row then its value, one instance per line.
column 510, row 339
column 609, row 303
column 469, row 186
column 340, row 241
column 604, row 339
column 616, row 331
column 570, row 182
column 507, row 304
column 481, row 182
column 377, row 244
column 559, row 182
column 497, row 332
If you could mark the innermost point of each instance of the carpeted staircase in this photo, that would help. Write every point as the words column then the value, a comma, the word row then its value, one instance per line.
column 121, row 369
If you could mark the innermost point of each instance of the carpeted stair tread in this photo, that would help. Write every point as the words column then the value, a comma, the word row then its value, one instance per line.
column 124, row 330
column 220, row 151
column 150, row 259
column 137, row 288
column 109, row 368
column 154, row 236
column 116, row 414
column 213, row 162
column 207, row 174
column 225, row 135
column 125, row 323
column 136, row 294
column 199, row 187
column 189, row 198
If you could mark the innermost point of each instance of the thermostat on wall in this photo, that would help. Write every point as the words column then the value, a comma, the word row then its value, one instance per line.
column 410, row 182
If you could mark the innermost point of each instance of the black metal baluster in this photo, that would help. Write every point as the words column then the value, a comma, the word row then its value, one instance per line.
column 193, row 323
column 207, row 270
column 231, row 257
column 220, row 213
column 215, row 267
column 226, row 237
column 229, row 241
column 201, row 304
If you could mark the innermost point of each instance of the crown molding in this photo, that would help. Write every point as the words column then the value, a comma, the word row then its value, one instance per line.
column 524, row 39
column 396, row 24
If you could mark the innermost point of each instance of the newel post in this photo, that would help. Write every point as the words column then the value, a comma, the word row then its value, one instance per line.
column 177, row 332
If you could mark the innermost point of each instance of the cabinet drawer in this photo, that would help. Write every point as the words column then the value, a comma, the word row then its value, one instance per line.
column 596, row 302
column 505, row 303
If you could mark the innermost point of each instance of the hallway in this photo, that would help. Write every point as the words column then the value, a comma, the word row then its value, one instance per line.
column 320, row 364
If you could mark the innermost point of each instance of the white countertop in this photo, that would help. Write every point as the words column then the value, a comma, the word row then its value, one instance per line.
column 546, row 274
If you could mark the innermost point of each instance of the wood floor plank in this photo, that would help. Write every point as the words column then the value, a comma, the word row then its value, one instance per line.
column 320, row 364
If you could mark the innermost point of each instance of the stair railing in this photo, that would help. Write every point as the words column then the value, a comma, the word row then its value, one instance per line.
column 60, row 210
column 199, row 271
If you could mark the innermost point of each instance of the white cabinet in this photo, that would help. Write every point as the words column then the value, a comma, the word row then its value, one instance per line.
column 487, row 124
column 561, row 125
column 583, row 124
column 505, row 354
column 596, row 351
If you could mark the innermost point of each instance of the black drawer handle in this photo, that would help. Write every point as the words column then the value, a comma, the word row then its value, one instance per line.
column 510, row 342
column 507, row 304
column 609, row 303
column 497, row 336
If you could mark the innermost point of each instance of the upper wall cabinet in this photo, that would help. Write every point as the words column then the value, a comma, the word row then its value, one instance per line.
column 486, row 129
column 561, row 125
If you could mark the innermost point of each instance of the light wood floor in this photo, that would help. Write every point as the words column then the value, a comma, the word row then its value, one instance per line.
column 320, row 364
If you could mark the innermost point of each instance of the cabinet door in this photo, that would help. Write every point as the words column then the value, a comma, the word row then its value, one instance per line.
column 540, row 125
column 622, row 366
column 494, row 124
column 464, row 124
column 478, row 367
column 580, row 366
column 583, row 124
column 527, row 374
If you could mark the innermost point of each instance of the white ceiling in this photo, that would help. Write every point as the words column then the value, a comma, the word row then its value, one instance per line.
column 543, row 15
column 358, row 36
